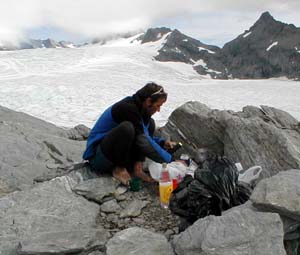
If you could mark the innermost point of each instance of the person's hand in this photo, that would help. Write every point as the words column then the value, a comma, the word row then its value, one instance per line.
column 169, row 145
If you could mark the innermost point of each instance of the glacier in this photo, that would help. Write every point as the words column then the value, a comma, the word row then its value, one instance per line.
column 75, row 85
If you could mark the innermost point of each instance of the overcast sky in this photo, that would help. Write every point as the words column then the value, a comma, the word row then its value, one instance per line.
column 213, row 22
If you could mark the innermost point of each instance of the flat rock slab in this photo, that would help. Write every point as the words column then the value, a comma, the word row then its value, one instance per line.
column 97, row 189
column 240, row 232
column 63, row 242
column 134, row 209
column 48, row 208
column 137, row 241
column 280, row 193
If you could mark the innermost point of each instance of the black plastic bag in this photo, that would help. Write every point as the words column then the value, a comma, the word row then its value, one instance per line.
column 215, row 188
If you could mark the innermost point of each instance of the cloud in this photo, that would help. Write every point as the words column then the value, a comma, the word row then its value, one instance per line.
column 93, row 18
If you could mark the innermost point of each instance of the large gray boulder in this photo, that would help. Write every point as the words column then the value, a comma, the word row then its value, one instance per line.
column 97, row 189
column 280, row 194
column 241, row 232
column 136, row 241
column 29, row 147
column 49, row 218
column 263, row 136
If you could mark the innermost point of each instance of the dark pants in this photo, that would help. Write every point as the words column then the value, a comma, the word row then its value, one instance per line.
column 115, row 149
column 118, row 148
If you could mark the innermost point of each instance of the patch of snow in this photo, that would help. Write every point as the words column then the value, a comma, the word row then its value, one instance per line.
column 177, row 50
column 271, row 46
column 158, row 36
column 70, row 45
column 209, row 51
column 185, row 40
column 157, row 45
column 43, row 45
column 201, row 62
column 247, row 34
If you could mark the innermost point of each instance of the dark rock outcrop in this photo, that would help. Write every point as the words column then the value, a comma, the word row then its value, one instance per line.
column 153, row 34
column 181, row 48
column 268, row 49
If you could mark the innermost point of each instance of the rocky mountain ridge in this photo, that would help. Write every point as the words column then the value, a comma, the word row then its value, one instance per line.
column 36, row 44
column 267, row 49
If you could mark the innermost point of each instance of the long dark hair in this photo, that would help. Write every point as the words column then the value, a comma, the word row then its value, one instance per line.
column 152, row 90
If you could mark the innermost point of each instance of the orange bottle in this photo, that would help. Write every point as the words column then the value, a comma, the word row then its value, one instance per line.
column 165, row 187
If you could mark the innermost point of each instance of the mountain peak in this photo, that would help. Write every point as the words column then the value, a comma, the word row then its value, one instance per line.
column 266, row 16
column 266, row 19
column 154, row 34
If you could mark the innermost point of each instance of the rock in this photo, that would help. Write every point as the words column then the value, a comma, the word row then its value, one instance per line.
column 28, row 146
column 110, row 207
column 280, row 194
column 63, row 242
column 133, row 209
column 238, row 232
column 48, row 215
column 79, row 133
column 256, row 136
column 112, row 218
column 154, row 34
column 168, row 233
column 138, row 241
column 96, row 253
column 120, row 198
column 139, row 221
column 97, row 189
column 291, row 228
column 121, row 190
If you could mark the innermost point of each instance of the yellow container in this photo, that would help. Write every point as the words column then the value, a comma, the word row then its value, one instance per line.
column 165, row 190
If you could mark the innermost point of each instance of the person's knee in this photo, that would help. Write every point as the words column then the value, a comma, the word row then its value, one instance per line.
column 127, row 129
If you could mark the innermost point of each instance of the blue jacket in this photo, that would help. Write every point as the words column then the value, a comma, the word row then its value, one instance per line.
column 128, row 109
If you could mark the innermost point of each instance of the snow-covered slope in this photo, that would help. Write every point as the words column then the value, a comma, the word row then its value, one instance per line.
column 73, row 86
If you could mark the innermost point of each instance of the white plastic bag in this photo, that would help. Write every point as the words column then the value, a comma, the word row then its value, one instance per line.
column 250, row 175
column 177, row 170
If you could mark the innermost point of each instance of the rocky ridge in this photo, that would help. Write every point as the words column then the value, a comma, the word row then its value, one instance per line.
column 268, row 49
column 36, row 44
column 79, row 212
